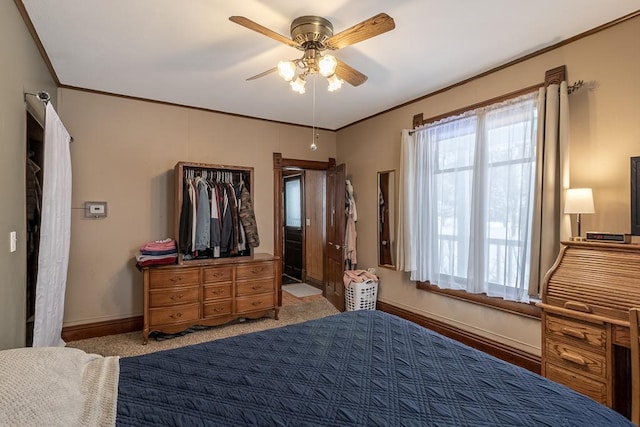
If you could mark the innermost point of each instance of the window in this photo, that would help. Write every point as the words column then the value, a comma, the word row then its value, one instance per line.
column 473, row 199
column 293, row 208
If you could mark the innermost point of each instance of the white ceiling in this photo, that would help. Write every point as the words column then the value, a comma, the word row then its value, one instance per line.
column 189, row 53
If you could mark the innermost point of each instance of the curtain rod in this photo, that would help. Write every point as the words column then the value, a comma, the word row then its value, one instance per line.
column 570, row 89
column 45, row 98
column 42, row 96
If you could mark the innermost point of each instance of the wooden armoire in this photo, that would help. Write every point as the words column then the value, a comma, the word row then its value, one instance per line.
column 209, row 287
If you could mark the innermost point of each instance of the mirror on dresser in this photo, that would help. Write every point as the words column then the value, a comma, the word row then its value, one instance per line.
column 386, row 218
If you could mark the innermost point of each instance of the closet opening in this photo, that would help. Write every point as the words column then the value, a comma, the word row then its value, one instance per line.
column 33, row 191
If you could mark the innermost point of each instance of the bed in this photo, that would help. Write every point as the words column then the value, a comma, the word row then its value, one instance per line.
column 359, row 368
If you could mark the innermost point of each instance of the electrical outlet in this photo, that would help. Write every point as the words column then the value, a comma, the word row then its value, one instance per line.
column 13, row 241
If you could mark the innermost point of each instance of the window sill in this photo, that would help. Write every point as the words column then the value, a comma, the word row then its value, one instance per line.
column 521, row 309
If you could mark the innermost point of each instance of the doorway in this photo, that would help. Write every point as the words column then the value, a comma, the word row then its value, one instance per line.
column 294, row 211
column 315, row 220
column 33, row 192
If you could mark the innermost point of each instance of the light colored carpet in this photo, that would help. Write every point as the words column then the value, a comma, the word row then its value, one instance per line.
column 294, row 310
column 301, row 290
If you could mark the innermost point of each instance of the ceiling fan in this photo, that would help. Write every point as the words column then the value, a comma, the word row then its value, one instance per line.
column 313, row 35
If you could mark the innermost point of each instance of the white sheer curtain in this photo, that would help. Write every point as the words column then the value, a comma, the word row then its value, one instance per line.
column 55, row 233
column 471, row 204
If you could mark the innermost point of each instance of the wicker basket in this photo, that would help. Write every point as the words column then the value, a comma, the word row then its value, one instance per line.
column 361, row 296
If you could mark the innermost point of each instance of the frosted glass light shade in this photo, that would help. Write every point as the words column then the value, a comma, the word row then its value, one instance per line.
column 327, row 65
column 286, row 70
column 335, row 82
column 579, row 201
column 298, row 85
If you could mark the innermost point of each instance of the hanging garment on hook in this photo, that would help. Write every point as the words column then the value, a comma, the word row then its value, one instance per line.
column 248, row 218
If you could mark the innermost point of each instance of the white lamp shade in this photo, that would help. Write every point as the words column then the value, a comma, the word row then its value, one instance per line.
column 579, row 201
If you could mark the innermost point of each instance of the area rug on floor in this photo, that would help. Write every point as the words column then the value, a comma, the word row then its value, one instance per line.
column 301, row 290
column 130, row 344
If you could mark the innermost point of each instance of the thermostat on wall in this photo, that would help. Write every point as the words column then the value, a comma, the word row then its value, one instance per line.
column 95, row 209
column 599, row 236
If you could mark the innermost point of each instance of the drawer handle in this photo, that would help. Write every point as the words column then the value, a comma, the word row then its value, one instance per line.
column 256, row 303
column 578, row 306
column 176, row 279
column 218, row 274
column 574, row 333
column 175, row 315
column 256, row 287
column 176, row 297
column 216, row 292
column 218, row 310
column 573, row 358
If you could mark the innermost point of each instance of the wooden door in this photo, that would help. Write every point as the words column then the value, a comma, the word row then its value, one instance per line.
column 293, row 230
column 334, row 258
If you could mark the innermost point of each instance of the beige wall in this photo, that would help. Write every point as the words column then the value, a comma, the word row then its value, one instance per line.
column 125, row 150
column 22, row 70
column 123, row 153
column 605, row 132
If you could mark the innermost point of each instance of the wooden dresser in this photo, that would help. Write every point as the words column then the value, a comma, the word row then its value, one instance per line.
column 209, row 293
column 586, row 299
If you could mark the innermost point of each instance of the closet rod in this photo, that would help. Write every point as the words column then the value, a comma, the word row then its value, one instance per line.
column 45, row 98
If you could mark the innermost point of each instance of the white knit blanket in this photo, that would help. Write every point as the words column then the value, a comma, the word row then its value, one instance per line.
column 57, row 386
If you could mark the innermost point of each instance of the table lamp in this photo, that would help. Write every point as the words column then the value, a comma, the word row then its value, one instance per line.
column 579, row 201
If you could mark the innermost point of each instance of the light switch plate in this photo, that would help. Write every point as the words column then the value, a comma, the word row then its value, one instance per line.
column 13, row 241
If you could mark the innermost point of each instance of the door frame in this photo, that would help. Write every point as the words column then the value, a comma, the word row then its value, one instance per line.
column 280, row 163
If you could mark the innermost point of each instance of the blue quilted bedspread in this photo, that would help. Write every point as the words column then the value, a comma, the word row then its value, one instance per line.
column 359, row 368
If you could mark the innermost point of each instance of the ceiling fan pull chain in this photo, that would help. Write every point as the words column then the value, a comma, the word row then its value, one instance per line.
column 313, row 147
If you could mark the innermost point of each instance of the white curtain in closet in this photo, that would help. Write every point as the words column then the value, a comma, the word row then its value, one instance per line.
column 55, row 233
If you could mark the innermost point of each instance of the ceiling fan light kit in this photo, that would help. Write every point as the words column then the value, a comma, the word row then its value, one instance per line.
column 314, row 35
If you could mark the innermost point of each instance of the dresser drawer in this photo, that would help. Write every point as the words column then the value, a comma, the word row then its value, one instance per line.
column 255, row 287
column 594, row 337
column 173, row 296
column 255, row 270
column 577, row 359
column 162, row 278
column 217, row 292
column 174, row 314
column 597, row 390
column 255, row 303
column 213, row 309
column 217, row 274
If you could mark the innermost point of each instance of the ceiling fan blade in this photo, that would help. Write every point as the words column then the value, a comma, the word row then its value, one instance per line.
column 248, row 23
column 376, row 25
column 349, row 74
column 262, row 74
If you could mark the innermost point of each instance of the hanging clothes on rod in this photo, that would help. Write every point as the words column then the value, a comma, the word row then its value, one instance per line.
column 215, row 213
